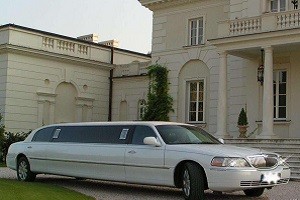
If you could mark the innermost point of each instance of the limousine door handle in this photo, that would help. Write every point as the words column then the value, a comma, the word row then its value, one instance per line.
column 132, row 152
column 29, row 147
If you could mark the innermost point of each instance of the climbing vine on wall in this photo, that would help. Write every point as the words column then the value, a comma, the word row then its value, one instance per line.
column 159, row 103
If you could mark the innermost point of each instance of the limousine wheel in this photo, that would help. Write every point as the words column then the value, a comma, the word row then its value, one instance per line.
column 256, row 192
column 23, row 170
column 192, row 182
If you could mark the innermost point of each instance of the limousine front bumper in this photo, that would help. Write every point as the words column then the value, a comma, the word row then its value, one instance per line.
column 226, row 180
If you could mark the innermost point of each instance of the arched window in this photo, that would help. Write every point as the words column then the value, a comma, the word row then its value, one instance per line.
column 141, row 109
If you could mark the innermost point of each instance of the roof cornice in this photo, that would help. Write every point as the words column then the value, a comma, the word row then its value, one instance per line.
column 10, row 48
column 160, row 4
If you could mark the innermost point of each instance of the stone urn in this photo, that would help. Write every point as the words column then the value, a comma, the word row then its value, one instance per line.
column 243, row 131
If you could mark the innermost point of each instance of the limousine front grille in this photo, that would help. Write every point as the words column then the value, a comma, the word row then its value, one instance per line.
column 264, row 183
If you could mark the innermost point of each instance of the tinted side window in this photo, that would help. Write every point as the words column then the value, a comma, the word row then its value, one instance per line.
column 114, row 134
column 78, row 134
column 140, row 133
column 43, row 135
column 93, row 134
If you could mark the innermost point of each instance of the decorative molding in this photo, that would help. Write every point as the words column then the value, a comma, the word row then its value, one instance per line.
column 160, row 4
column 10, row 48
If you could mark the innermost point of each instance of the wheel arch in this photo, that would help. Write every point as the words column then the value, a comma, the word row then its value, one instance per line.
column 179, row 168
column 20, row 155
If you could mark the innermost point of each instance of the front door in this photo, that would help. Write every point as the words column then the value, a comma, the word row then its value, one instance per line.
column 144, row 163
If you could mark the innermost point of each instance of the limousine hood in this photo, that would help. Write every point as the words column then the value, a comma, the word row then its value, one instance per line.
column 216, row 150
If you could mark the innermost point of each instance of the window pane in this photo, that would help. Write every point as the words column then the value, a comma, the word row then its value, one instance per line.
column 274, row 100
column 274, row 5
column 193, row 106
column 282, row 77
column 201, row 86
column 282, row 112
column 192, row 116
column 200, row 21
column 282, row 88
column 193, row 96
column 282, row 5
column 274, row 115
column 200, row 96
column 140, row 133
column 282, row 100
column 193, row 86
column 44, row 135
column 200, row 116
column 200, row 106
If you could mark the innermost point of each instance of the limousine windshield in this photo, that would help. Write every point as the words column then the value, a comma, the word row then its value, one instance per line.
column 181, row 134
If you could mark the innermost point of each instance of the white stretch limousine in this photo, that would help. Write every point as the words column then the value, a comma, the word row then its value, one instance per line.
column 154, row 153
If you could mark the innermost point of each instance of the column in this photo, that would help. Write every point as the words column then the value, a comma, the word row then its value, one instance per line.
column 268, row 104
column 222, row 100
column 52, row 112
column 40, row 113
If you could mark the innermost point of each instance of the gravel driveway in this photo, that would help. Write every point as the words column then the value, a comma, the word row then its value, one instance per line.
column 118, row 191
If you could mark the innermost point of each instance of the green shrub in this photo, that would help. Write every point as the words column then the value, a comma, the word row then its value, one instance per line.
column 242, row 120
column 10, row 138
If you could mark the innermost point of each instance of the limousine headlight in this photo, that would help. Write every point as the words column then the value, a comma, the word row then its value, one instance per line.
column 229, row 162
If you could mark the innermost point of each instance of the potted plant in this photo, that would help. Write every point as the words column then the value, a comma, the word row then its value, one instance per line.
column 242, row 123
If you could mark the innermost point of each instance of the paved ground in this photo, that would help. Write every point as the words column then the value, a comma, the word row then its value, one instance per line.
column 116, row 191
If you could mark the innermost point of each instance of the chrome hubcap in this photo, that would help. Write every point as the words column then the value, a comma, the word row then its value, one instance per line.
column 22, row 171
column 186, row 183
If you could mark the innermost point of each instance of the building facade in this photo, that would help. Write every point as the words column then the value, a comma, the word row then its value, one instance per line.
column 213, row 49
column 48, row 78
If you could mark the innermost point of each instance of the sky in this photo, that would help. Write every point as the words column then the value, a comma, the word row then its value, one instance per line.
column 125, row 20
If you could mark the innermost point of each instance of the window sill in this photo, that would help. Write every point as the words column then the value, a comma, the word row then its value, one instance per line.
column 277, row 122
column 194, row 46
column 199, row 124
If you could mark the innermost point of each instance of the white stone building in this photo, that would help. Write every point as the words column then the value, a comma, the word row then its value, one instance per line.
column 213, row 50
column 49, row 78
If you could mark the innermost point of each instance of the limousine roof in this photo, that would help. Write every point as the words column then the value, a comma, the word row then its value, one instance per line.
column 147, row 123
column 154, row 123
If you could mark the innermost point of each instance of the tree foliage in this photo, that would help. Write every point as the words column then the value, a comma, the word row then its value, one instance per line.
column 159, row 103
column 8, row 138
column 242, row 120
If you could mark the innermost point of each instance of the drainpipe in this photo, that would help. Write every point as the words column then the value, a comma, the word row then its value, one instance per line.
column 111, row 74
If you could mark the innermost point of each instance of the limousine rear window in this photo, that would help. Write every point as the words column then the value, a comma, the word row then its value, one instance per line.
column 43, row 135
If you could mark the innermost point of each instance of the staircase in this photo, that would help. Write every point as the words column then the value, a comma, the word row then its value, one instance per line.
column 287, row 148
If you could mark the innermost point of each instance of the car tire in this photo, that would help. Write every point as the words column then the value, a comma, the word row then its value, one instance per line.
column 256, row 192
column 192, row 182
column 23, row 171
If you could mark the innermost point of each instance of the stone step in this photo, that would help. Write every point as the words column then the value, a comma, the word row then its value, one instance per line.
column 296, row 178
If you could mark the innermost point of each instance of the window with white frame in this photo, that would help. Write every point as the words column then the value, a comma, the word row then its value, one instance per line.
column 141, row 109
column 280, row 94
column 196, row 101
column 278, row 5
column 196, row 31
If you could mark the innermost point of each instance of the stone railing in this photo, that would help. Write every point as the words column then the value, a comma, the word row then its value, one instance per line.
column 64, row 45
column 245, row 26
column 264, row 23
column 289, row 19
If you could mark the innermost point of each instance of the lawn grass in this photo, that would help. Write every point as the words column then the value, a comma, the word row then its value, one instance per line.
column 13, row 189
column 2, row 164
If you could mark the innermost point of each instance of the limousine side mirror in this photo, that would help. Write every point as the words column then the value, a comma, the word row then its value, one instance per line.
column 221, row 140
column 151, row 141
